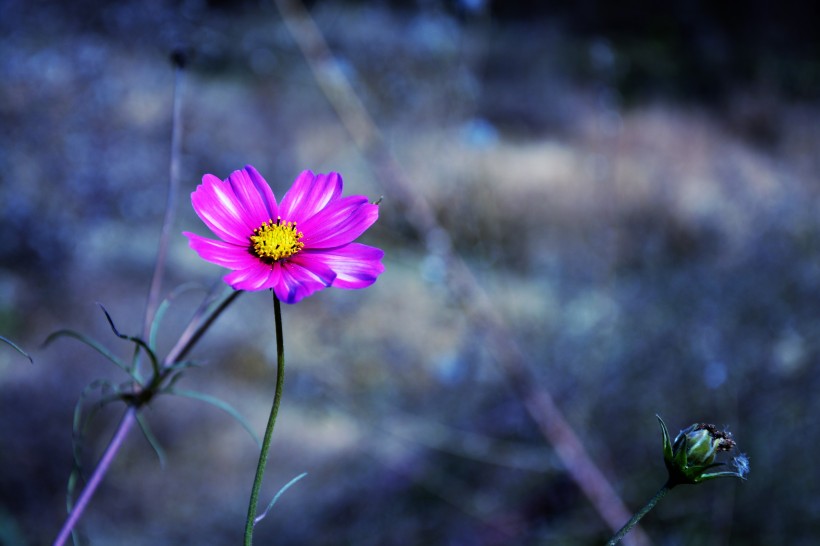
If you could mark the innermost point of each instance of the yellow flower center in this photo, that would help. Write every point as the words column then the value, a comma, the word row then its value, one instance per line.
column 274, row 241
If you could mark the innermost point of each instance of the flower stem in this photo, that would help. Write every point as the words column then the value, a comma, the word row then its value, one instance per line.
column 277, row 397
column 639, row 514
column 102, row 467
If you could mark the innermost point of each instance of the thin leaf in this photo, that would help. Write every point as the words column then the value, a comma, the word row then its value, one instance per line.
column 163, row 308
column 133, row 339
column 79, row 423
column 152, row 440
column 71, row 487
column 182, row 365
column 171, row 382
column 94, row 345
column 17, row 348
column 135, row 362
column 224, row 406
column 174, row 373
column 276, row 497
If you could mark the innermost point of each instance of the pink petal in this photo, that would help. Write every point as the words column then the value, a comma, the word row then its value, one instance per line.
column 355, row 265
column 301, row 280
column 309, row 194
column 216, row 204
column 221, row 253
column 254, row 196
column 257, row 277
column 341, row 222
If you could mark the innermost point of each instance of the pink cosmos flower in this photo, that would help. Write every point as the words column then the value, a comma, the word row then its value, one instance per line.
column 295, row 248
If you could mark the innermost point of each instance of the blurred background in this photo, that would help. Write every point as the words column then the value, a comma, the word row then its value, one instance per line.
column 631, row 194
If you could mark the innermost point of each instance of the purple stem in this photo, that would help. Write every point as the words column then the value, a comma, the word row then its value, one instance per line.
column 102, row 467
column 153, row 297
column 171, row 204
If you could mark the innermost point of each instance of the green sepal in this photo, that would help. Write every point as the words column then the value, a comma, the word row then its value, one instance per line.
column 713, row 475
column 667, row 443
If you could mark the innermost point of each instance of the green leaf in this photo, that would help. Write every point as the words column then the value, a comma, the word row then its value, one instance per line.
column 17, row 348
column 174, row 372
column 94, row 345
column 224, row 406
column 79, row 423
column 152, row 440
column 183, row 365
column 276, row 497
column 164, row 306
column 135, row 361
column 134, row 339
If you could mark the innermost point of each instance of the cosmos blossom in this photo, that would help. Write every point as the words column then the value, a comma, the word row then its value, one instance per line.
column 296, row 247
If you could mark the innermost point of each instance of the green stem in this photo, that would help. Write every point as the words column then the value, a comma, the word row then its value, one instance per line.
column 277, row 397
column 639, row 514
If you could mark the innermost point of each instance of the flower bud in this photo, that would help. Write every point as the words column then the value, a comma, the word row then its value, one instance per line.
column 702, row 442
column 691, row 457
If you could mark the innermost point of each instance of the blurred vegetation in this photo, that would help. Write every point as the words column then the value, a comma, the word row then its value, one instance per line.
column 635, row 190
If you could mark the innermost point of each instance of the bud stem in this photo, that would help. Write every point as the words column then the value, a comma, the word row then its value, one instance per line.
column 640, row 513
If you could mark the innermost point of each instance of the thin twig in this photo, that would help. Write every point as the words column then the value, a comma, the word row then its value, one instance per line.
column 537, row 400
column 172, row 199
